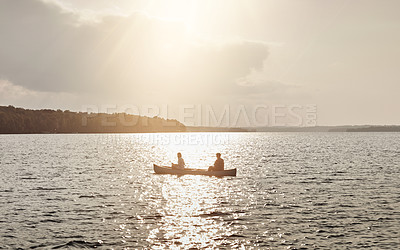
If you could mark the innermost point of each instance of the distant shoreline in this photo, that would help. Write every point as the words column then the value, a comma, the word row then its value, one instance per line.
column 356, row 128
column 46, row 121
column 369, row 129
column 25, row 121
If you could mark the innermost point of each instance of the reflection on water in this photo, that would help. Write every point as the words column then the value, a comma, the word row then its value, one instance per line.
column 181, row 224
column 306, row 190
column 193, row 213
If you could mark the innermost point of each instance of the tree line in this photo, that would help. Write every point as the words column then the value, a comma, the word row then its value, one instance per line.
column 25, row 121
column 386, row 128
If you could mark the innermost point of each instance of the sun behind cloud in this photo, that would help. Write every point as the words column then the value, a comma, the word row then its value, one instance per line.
column 122, row 57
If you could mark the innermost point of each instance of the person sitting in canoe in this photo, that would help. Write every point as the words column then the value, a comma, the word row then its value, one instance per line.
column 181, row 162
column 218, row 164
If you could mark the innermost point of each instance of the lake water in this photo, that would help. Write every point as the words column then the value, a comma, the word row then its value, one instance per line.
column 293, row 190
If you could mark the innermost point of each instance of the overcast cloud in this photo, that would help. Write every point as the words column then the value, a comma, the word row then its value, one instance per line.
column 341, row 55
column 52, row 49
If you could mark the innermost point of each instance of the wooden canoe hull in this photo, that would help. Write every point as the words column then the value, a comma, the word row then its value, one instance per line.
column 191, row 171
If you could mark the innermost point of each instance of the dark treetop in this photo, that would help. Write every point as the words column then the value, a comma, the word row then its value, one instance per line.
column 24, row 121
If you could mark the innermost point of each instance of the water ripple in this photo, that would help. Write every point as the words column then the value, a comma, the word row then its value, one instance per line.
column 293, row 191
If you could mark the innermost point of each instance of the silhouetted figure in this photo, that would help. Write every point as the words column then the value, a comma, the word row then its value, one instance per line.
column 218, row 164
column 181, row 162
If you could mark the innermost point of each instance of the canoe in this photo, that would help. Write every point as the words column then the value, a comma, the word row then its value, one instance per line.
column 192, row 171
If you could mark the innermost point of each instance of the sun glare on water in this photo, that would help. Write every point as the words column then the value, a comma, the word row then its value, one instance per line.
column 198, row 149
column 190, row 204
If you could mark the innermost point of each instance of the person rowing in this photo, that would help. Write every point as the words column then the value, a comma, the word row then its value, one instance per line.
column 181, row 163
column 218, row 164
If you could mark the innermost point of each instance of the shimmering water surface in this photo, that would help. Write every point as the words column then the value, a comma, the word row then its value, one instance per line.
column 293, row 190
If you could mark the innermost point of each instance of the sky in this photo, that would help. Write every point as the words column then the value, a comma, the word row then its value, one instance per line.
column 341, row 57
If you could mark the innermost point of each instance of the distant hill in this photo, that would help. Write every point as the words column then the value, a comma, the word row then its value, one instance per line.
column 25, row 121
column 376, row 129
column 344, row 128
column 348, row 128
column 306, row 129
column 214, row 129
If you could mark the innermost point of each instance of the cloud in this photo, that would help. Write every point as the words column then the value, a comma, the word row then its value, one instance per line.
column 49, row 48
column 11, row 94
column 11, row 91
